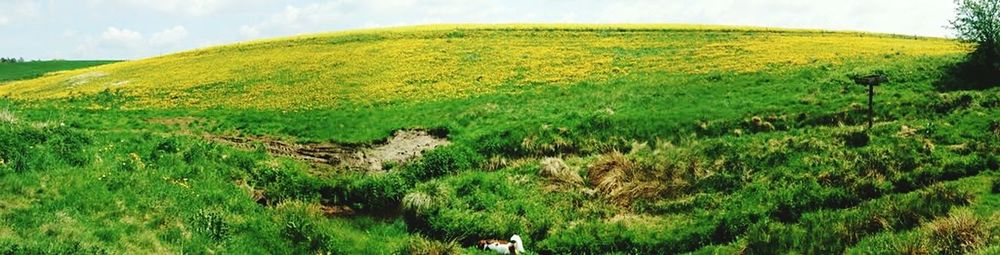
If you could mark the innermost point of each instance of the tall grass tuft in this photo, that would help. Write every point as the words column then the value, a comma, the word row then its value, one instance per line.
column 7, row 117
column 557, row 170
column 423, row 246
column 960, row 233
column 624, row 179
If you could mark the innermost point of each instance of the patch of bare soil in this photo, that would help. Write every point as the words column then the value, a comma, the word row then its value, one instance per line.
column 401, row 147
column 85, row 78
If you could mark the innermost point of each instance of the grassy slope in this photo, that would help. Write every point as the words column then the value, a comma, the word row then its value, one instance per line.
column 511, row 94
column 33, row 69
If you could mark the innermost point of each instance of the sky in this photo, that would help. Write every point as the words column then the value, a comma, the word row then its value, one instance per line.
column 134, row 29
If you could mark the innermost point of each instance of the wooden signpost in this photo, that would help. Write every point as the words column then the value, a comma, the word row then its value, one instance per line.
column 872, row 81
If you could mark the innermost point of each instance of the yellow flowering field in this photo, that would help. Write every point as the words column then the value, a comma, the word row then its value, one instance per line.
column 452, row 61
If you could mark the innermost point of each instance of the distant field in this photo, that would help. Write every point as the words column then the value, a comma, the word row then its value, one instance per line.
column 618, row 139
column 33, row 69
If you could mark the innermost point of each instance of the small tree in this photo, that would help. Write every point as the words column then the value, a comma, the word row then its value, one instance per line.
column 978, row 21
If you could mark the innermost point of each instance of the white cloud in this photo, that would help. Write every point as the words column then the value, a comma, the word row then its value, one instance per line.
column 877, row 16
column 331, row 15
column 170, row 36
column 12, row 11
column 115, row 42
column 122, row 37
column 186, row 7
column 249, row 31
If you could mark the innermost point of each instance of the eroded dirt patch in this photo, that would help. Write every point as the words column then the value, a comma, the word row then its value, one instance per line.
column 402, row 146
column 85, row 78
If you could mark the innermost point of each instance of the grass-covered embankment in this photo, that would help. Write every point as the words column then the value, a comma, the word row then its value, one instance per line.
column 684, row 140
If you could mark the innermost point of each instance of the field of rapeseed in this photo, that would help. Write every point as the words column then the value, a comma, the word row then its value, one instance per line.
column 439, row 62
column 582, row 139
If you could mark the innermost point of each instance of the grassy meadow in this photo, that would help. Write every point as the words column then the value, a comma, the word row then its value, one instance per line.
column 582, row 139
column 35, row 69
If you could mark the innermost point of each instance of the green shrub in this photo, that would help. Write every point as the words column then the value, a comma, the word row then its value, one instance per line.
column 378, row 192
column 446, row 161
column 285, row 182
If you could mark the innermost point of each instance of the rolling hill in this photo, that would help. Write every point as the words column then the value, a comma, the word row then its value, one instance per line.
column 579, row 138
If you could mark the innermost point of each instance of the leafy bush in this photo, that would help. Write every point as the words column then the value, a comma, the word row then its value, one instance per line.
column 979, row 21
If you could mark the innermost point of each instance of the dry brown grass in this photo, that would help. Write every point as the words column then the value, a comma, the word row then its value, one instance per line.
column 418, row 202
column 557, row 170
column 959, row 233
column 624, row 179
column 7, row 117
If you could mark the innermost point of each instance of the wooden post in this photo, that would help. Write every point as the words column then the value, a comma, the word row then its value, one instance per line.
column 871, row 105
column 871, row 81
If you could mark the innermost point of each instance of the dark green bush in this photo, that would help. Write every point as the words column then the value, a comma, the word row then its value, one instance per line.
column 628, row 237
column 281, row 183
column 446, row 161
column 378, row 192
column 25, row 148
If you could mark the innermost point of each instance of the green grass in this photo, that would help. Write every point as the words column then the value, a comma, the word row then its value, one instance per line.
column 769, row 162
column 33, row 69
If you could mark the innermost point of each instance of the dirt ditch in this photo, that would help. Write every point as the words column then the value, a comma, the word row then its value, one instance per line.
column 402, row 146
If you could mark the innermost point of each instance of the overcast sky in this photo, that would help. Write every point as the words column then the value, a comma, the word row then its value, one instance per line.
column 131, row 29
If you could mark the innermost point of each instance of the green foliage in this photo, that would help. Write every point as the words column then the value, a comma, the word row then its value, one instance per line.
column 979, row 21
column 378, row 192
column 476, row 205
column 447, row 160
column 27, row 148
